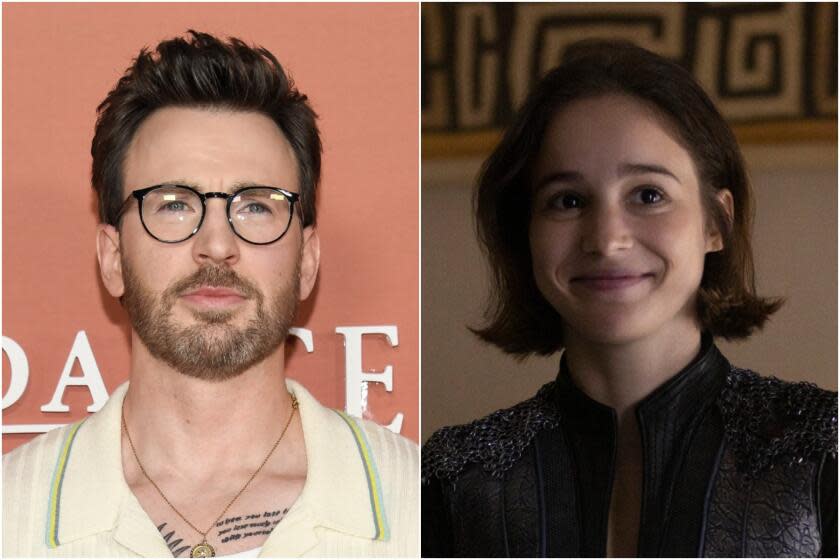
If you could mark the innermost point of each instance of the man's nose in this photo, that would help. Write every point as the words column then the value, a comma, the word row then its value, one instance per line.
column 606, row 230
column 215, row 241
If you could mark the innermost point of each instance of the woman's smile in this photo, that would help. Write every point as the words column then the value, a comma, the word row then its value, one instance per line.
column 609, row 282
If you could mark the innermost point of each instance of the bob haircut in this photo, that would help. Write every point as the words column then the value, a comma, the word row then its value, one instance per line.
column 519, row 319
column 201, row 72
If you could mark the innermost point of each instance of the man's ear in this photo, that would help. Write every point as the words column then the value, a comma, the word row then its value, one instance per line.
column 108, row 254
column 309, row 260
column 714, row 237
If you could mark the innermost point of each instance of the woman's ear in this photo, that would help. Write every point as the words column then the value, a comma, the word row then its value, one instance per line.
column 714, row 237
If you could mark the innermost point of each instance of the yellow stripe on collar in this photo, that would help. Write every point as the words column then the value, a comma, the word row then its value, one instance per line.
column 374, row 484
column 55, row 486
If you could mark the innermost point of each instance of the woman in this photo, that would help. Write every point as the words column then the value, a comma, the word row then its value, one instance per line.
column 616, row 216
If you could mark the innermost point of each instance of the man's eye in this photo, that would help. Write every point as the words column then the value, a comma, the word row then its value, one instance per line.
column 175, row 206
column 255, row 208
column 566, row 201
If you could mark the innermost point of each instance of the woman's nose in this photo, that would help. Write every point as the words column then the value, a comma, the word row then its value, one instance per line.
column 606, row 231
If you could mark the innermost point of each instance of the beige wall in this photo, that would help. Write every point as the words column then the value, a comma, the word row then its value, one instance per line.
column 795, row 244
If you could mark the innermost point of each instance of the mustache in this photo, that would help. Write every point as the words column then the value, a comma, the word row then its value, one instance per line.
column 216, row 276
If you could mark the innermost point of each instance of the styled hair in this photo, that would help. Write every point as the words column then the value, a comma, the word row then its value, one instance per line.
column 519, row 319
column 202, row 71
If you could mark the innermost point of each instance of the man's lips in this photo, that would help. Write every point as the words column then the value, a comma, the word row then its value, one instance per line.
column 610, row 281
column 214, row 297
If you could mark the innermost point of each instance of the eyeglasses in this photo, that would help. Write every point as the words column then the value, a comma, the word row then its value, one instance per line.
column 174, row 213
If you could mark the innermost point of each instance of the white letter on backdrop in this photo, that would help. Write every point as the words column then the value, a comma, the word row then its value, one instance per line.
column 356, row 380
column 91, row 377
column 18, row 373
column 305, row 335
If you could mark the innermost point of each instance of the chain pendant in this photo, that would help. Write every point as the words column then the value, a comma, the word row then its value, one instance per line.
column 202, row 550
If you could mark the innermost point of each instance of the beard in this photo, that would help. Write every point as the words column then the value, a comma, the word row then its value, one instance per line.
column 212, row 348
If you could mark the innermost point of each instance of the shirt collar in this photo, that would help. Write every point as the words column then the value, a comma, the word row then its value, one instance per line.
column 94, row 495
column 337, row 489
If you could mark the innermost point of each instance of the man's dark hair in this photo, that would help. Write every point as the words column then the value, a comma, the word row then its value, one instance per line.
column 202, row 71
column 520, row 320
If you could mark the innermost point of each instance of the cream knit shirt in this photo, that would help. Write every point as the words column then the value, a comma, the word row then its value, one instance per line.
column 64, row 493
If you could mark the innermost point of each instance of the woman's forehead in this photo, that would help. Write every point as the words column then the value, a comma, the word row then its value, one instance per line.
column 604, row 137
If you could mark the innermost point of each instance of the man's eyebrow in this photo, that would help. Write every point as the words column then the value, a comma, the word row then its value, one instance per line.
column 243, row 184
column 182, row 183
column 641, row 168
column 200, row 188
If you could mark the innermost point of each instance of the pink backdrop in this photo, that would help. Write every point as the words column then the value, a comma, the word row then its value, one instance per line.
column 359, row 66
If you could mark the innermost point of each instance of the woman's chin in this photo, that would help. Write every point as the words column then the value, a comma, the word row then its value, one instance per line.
column 609, row 329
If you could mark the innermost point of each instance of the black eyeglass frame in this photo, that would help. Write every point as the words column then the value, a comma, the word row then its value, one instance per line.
column 140, row 194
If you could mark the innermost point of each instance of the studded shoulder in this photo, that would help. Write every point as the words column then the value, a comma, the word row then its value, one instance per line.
column 770, row 422
column 494, row 442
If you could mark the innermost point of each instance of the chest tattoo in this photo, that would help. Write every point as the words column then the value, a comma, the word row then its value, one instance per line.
column 229, row 530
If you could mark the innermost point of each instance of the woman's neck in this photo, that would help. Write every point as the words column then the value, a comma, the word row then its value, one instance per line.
column 620, row 375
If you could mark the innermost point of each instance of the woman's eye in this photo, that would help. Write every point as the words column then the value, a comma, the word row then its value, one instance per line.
column 566, row 201
column 649, row 195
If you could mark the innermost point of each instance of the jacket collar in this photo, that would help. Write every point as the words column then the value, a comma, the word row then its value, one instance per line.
column 668, row 420
column 690, row 390
column 95, row 497
column 677, row 400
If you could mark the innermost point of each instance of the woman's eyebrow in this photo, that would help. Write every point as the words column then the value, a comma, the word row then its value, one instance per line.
column 558, row 177
column 565, row 176
column 640, row 168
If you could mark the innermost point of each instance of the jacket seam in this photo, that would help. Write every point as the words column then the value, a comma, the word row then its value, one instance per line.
column 816, row 495
column 542, row 552
column 708, row 499
column 503, row 508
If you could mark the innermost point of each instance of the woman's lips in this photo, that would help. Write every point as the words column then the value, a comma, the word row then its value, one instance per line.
column 610, row 282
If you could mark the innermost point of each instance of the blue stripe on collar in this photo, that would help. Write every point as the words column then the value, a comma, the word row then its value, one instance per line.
column 53, row 506
column 377, row 504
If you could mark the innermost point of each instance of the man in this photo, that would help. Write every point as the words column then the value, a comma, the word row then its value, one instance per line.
column 205, row 162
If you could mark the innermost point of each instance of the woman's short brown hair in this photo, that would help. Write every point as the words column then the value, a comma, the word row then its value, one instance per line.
column 519, row 319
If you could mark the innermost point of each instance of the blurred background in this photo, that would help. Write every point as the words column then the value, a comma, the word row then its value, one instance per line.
column 771, row 69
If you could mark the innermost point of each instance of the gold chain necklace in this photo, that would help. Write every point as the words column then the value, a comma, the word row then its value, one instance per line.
column 203, row 549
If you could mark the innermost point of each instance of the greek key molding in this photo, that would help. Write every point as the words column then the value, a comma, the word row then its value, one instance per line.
column 771, row 68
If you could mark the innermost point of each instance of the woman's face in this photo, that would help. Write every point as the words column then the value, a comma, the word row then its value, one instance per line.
column 617, row 233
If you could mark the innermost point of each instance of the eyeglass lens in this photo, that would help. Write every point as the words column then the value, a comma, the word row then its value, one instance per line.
column 258, row 215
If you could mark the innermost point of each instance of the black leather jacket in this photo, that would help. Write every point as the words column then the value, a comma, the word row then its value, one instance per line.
column 734, row 465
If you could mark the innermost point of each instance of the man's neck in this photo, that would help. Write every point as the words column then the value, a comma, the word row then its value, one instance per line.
column 173, row 418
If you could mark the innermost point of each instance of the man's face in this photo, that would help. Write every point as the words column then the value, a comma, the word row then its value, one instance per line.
column 213, row 305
